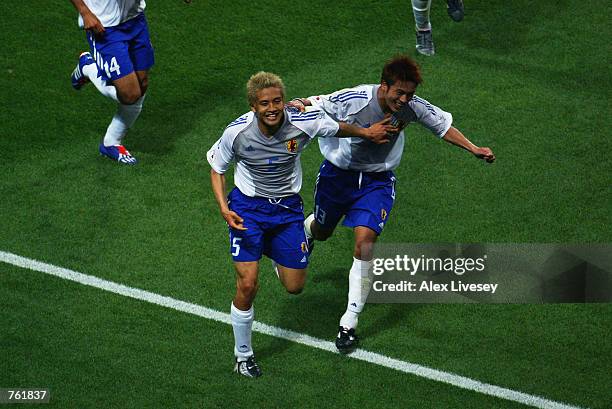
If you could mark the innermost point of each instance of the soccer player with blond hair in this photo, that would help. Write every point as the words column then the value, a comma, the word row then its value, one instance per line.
column 264, row 212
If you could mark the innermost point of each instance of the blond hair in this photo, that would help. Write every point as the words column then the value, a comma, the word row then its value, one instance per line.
column 262, row 80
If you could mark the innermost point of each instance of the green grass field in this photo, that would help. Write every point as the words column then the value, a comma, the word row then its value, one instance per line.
column 527, row 79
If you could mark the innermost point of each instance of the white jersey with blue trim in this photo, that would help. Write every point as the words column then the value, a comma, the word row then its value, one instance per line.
column 360, row 106
column 114, row 12
column 269, row 166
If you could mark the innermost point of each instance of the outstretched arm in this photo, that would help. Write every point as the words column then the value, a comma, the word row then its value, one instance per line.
column 378, row 132
column 90, row 21
column 454, row 136
column 218, row 186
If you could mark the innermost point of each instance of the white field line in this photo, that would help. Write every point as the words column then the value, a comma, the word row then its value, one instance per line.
column 359, row 354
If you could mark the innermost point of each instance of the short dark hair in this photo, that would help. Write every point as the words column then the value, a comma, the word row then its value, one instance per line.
column 401, row 68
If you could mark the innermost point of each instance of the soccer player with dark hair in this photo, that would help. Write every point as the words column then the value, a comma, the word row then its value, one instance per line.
column 356, row 179
column 264, row 211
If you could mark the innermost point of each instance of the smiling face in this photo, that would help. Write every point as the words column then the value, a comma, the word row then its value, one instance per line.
column 393, row 97
column 269, row 107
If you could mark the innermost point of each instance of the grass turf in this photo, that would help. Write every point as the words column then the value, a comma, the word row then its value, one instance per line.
column 517, row 77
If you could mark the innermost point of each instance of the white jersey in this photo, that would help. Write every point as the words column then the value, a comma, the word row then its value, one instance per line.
column 269, row 166
column 360, row 106
column 114, row 12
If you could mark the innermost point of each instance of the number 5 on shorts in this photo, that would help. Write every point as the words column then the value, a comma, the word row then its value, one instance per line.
column 236, row 246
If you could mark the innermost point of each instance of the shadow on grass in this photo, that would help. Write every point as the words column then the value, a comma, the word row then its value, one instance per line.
column 317, row 310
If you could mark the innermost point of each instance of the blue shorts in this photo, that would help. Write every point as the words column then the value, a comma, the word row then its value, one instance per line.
column 122, row 49
column 275, row 227
column 363, row 198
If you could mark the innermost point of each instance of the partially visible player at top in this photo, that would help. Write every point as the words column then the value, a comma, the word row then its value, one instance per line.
column 424, row 36
column 356, row 179
column 118, row 64
column 264, row 211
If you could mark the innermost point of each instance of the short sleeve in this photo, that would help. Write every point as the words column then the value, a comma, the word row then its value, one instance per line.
column 341, row 104
column 431, row 117
column 221, row 154
column 315, row 123
column 322, row 102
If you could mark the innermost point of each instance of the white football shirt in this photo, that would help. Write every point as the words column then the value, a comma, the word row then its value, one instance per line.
column 359, row 106
column 114, row 12
column 269, row 166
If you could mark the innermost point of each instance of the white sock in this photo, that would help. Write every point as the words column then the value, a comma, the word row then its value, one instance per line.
column 420, row 9
column 242, row 321
column 123, row 120
column 91, row 72
column 359, row 288
column 307, row 225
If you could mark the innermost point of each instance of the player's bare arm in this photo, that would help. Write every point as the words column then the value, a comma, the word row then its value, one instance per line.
column 378, row 132
column 454, row 136
column 90, row 21
column 218, row 185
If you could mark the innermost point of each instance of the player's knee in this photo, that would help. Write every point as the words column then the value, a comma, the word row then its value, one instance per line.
column 363, row 249
column 248, row 288
column 144, row 85
column 294, row 288
column 128, row 94
column 320, row 234
column 295, row 291
column 295, row 283
column 129, row 97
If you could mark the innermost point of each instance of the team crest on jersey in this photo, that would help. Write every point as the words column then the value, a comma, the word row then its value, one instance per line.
column 383, row 214
column 292, row 145
column 304, row 247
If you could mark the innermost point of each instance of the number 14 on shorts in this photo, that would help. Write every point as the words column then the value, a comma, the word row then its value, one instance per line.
column 114, row 67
